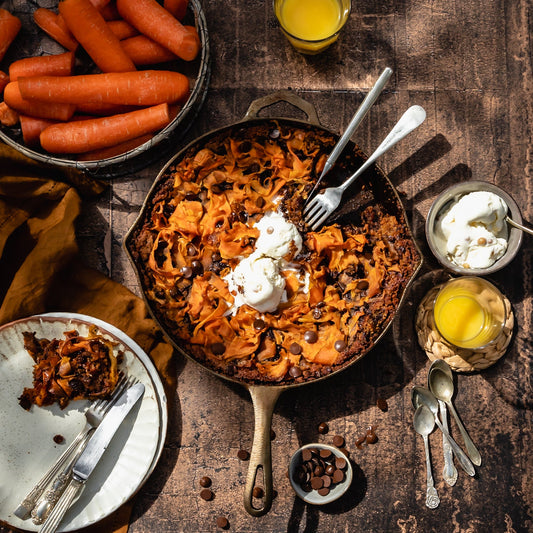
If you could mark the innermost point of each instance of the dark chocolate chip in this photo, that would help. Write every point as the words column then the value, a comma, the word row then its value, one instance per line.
column 186, row 272
column 191, row 249
column 340, row 463
column 218, row 348
column 306, row 455
column 222, row 522
column 258, row 492
column 324, row 491
column 338, row 441
column 330, row 469
column 58, row 439
column 327, row 481
column 295, row 371
column 338, row 476
column 317, row 483
column 206, row 494
column 340, row 345
column 197, row 268
column 382, row 404
column 311, row 336
column 243, row 455
column 259, row 324
column 325, row 454
column 323, row 428
column 317, row 313
column 205, row 481
column 362, row 285
column 295, row 348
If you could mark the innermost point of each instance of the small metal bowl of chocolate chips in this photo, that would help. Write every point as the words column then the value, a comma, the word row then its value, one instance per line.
column 320, row 473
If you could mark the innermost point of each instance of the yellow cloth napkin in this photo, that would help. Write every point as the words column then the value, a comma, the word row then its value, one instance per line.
column 41, row 271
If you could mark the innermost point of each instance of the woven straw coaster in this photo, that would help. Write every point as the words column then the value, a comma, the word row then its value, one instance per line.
column 459, row 359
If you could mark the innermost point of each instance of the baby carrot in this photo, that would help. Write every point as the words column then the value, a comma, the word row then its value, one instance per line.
column 8, row 116
column 122, row 29
column 91, row 31
column 178, row 8
column 143, row 51
column 31, row 129
column 154, row 21
column 4, row 80
column 52, row 110
column 96, row 133
column 9, row 28
column 118, row 149
column 142, row 88
column 55, row 27
column 52, row 65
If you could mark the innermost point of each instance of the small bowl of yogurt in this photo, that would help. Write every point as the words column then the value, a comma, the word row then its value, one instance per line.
column 467, row 231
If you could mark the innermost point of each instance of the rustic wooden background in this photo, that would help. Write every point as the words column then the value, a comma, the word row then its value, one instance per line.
column 469, row 64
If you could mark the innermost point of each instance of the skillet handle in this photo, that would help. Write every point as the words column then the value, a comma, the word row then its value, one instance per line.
column 283, row 96
column 264, row 399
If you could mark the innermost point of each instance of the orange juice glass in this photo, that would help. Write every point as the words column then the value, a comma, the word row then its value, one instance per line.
column 469, row 312
column 312, row 25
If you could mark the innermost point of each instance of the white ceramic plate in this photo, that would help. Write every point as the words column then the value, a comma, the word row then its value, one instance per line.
column 27, row 448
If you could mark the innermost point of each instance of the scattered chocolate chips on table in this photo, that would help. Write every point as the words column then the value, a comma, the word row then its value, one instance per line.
column 206, row 494
column 243, row 455
column 222, row 522
column 59, row 439
column 205, row 481
column 323, row 428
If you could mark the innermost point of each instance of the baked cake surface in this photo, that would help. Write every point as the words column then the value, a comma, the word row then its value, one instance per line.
column 239, row 282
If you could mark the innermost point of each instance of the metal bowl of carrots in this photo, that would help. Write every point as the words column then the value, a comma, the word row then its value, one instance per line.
column 105, row 86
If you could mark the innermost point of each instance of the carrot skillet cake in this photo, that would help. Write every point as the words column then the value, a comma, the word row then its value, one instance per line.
column 240, row 283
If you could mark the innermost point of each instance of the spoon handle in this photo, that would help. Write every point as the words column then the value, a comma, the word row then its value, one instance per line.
column 432, row 498
column 519, row 226
column 471, row 450
column 449, row 472
column 463, row 459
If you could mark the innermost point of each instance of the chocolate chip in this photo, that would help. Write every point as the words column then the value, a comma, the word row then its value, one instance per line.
column 295, row 348
column 260, row 202
column 222, row 522
column 362, row 285
column 325, row 454
column 186, row 272
column 272, row 434
column 340, row 463
column 306, row 455
column 218, row 348
column 58, row 439
column 330, row 469
column 243, row 455
column 338, row 441
column 371, row 436
column 191, row 249
column 258, row 492
column 340, row 345
column 323, row 428
column 317, row 483
column 205, row 481
column 327, row 481
column 338, row 476
column 206, row 494
column 318, row 471
column 197, row 268
column 324, row 491
column 317, row 313
column 295, row 371
column 382, row 404
column 311, row 336
column 259, row 324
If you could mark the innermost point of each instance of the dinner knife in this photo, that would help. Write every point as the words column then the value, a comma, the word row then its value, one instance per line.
column 90, row 457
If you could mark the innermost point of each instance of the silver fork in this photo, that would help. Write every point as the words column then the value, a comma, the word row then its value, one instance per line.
column 94, row 415
column 323, row 204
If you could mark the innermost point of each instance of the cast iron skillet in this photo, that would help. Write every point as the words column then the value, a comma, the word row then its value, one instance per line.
column 264, row 396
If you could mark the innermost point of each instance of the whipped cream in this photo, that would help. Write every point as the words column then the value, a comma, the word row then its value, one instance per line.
column 257, row 280
column 475, row 230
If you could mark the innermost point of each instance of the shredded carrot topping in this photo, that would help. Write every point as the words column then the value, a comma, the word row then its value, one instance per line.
column 341, row 289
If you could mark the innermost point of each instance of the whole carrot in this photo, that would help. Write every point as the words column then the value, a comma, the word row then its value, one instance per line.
column 143, row 51
column 32, row 127
column 118, row 149
column 178, row 8
column 91, row 30
column 154, row 21
column 54, row 25
column 4, row 80
column 51, row 110
column 142, row 88
column 9, row 28
column 97, row 133
column 122, row 29
column 53, row 65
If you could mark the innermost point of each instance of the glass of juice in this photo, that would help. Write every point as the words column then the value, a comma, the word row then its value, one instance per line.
column 312, row 25
column 469, row 312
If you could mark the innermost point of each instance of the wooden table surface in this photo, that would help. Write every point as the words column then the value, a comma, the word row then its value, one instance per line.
column 469, row 64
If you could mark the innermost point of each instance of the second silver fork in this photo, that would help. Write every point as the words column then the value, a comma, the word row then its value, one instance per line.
column 94, row 415
column 322, row 205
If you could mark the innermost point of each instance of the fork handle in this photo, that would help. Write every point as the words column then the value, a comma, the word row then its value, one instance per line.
column 45, row 505
column 25, row 508
column 72, row 491
column 409, row 121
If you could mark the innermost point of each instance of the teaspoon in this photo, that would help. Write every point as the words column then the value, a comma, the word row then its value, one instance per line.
column 424, row 423
column 441, row 385
column 511, row 222
column 449, row 472
column 420, row 395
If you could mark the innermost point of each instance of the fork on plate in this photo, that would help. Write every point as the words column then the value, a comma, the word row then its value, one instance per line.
column 94, row 416
column 322, row 205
